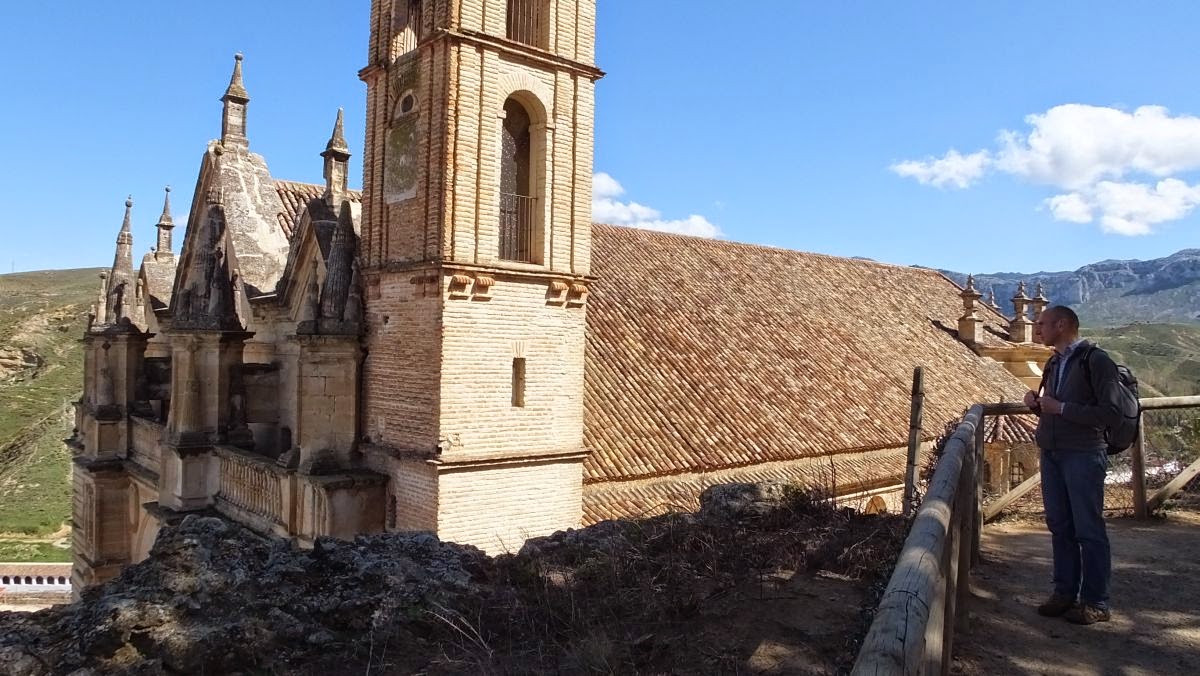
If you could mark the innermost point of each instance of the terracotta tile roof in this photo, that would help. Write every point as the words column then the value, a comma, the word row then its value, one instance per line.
column 1011, row 429
column 296, row 196
column 631, row 499
column 706, row 354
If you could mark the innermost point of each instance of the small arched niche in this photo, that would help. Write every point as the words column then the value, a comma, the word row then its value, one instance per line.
column 876, row 505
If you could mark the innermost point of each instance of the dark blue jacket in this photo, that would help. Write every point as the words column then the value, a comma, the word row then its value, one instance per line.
column 1090, row 407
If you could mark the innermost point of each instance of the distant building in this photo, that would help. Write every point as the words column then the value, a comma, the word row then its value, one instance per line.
column 459, row 349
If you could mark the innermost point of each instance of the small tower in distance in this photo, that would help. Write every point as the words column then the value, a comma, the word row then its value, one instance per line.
column 121, row 278
column 337, row 162
column 233, row 119
column 166, row 224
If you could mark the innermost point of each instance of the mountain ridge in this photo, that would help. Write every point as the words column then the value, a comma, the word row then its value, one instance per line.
column 1111, row 292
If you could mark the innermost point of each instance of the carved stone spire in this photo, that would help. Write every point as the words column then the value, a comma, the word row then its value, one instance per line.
column 337, row 158
column 1039, row 304
column 233, row 120
column 165, row 225
column 991, row 301
column 120, row 279
column 1020, row 329
column 101, row 307
column 970, row 323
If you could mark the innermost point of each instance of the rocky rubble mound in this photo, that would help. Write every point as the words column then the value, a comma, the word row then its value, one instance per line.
column 627, row 596
column 216, row 598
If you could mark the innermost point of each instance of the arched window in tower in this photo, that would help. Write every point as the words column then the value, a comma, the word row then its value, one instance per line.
column 406, row 26
column 529, row 22
column 518, row 201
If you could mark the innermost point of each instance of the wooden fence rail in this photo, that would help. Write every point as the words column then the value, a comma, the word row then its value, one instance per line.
column 924, row 603
column 913, row 631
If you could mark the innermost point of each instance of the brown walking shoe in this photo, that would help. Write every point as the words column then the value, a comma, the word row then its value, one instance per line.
column 1056, row 605
column 1084, row 613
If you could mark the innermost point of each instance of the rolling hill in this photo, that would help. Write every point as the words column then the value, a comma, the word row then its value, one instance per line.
column 42, row 317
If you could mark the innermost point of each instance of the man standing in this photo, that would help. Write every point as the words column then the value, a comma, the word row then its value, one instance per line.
column 1076, row 403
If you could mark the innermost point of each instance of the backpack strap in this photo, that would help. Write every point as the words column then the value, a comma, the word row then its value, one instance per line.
column 1086, row 363
column 1041, row 390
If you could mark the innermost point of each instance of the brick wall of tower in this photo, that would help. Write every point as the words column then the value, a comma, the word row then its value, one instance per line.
column 535, row 499
column 402, row 371
column 438, row 375
column 481, row 339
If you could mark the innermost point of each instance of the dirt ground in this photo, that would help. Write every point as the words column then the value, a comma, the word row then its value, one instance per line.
column 1155, row 628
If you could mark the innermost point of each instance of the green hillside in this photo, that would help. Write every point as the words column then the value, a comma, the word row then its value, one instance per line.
column 1166, row 357
column 42, row 317
column 1166, row 360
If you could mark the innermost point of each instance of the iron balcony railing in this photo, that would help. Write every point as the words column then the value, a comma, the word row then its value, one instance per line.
column 517, row 216
column 526, row 22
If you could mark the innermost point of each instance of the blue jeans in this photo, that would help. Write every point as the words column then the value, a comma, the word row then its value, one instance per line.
column 1073, row 495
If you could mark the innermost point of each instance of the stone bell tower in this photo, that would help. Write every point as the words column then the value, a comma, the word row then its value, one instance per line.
column 475, row 250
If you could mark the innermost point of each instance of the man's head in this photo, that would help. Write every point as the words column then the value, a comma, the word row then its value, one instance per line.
column 1058, row 324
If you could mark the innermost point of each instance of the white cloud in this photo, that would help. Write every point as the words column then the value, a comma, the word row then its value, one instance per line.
column 604, row 185
column 953, row 168
column 1132, row 208
column 1075, row 145
column 1072, row 207
column 1089, row 152
column 606, row 208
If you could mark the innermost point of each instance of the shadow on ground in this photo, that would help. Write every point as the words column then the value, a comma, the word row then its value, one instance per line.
column 1155, row 627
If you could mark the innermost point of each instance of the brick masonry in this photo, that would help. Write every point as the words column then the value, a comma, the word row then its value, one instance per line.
column 446, row 316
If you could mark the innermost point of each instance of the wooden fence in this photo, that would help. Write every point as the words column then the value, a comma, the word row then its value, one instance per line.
column 925, row 600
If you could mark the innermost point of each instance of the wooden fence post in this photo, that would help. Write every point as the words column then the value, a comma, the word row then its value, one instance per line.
column 977, row 494
column 916, row 413
column 966, row 552
column 1139, row 471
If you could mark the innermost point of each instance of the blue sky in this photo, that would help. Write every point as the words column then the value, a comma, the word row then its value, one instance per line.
column 817, row 126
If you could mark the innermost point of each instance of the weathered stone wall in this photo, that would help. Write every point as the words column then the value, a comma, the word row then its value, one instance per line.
column 252, row 209
column 145, row 450
column 497, row 508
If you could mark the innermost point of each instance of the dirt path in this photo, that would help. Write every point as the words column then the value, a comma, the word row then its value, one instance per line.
column 1155, row 597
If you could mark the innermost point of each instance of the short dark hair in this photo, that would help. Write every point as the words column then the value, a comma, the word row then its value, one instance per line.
column 1064, row 312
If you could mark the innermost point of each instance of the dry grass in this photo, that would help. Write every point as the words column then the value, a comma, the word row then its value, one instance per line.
column 658, row 595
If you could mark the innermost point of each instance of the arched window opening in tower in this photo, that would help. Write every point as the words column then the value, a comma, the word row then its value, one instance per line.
column 518, row 203
column 528, row 22
column 406, row 26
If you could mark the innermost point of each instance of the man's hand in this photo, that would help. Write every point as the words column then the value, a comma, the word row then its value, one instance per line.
column 1031, row 400
column 1051, row 405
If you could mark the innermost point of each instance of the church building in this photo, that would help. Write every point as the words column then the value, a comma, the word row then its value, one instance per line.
column 458, row 349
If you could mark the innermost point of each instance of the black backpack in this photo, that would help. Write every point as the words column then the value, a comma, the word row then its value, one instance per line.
column 1122, row 435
